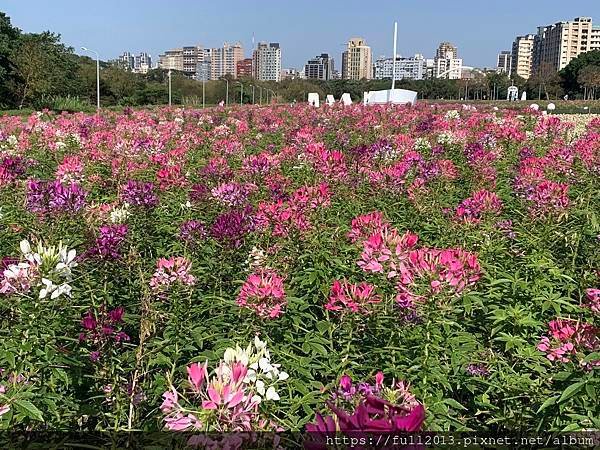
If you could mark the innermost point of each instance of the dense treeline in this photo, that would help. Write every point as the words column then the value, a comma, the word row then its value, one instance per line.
column 38, row 71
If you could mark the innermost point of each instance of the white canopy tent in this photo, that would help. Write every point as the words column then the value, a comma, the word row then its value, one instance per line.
column 393, row 96
column 313, row 99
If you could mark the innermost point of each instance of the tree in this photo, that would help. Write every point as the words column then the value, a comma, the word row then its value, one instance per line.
column 570, row 74
column 43, row 66
column 545, row 80
column 589, row 78
column 9, row 36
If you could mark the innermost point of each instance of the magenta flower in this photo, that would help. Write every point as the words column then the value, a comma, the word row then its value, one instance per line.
column 479, row 204
column 367, row 225
column 370, row 412
column 355, row 298
column 89, row 322
column 197, row 374
column 263, row 292
column 232, row 227
column 102, row 331
column 569, row 340
column 593, row 300
column 109, row 241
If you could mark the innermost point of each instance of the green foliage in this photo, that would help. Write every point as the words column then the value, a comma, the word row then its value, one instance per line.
column 8, row 38
column 570, row 74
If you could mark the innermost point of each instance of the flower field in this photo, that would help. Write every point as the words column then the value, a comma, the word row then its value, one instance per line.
column 293, row 268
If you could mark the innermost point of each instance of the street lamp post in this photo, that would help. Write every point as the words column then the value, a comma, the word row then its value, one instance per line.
column 252, row 93
column 203, row 92
column 260, row 95
column 97, row 75
column 169, row 87
column 241, row 92
column 226, row 91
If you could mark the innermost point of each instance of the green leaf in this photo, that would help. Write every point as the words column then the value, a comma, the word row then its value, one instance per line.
column 453, row 403
column 571, row 391
column 548, row 402
column 29, row 409
column 323, row 326
column 592, row 357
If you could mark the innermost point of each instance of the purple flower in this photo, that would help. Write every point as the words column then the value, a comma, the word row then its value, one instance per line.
column 13, row 166
column 139, row 193
column 192, row 231
column 480, row 370
column 116, row 315
column 53, row 196
column 89, row 322
column 37, row 196
column 121, row 336
column 199, row 192
column 232, row 226
column 110, row 239
column 232, row 193
column 66, row 197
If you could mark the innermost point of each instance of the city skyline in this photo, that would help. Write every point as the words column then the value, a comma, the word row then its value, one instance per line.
column 141, row 26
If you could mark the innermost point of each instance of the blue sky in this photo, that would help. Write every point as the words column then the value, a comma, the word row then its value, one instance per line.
column 304, row 28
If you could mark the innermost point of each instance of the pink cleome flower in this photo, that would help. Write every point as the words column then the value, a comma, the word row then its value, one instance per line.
column 352, row 297
column 170, row 271
column 263, row 292
column 568, row 339
column 481, row 202
column 366, row 225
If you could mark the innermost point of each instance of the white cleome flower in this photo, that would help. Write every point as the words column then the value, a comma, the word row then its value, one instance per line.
column 272, row 394
column 120, row 215
column 260, row 387
column 48, row 288
column 25, row 247
column 283, row 376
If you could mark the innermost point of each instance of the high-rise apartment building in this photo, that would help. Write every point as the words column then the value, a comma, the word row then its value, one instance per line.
column 142, row 63
column 203, row 68
column 504, row 62
column 189, row 60
column 429, row 67
column 357, row 60
column 244, row 68
column 446, row 50
column 556, row 45
column 412, row 68
column 224, row 60
column 319, row 68
column 171, row 60
column 447, row 64
column 127, row 61
column 266, row 62
column 522, row 56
